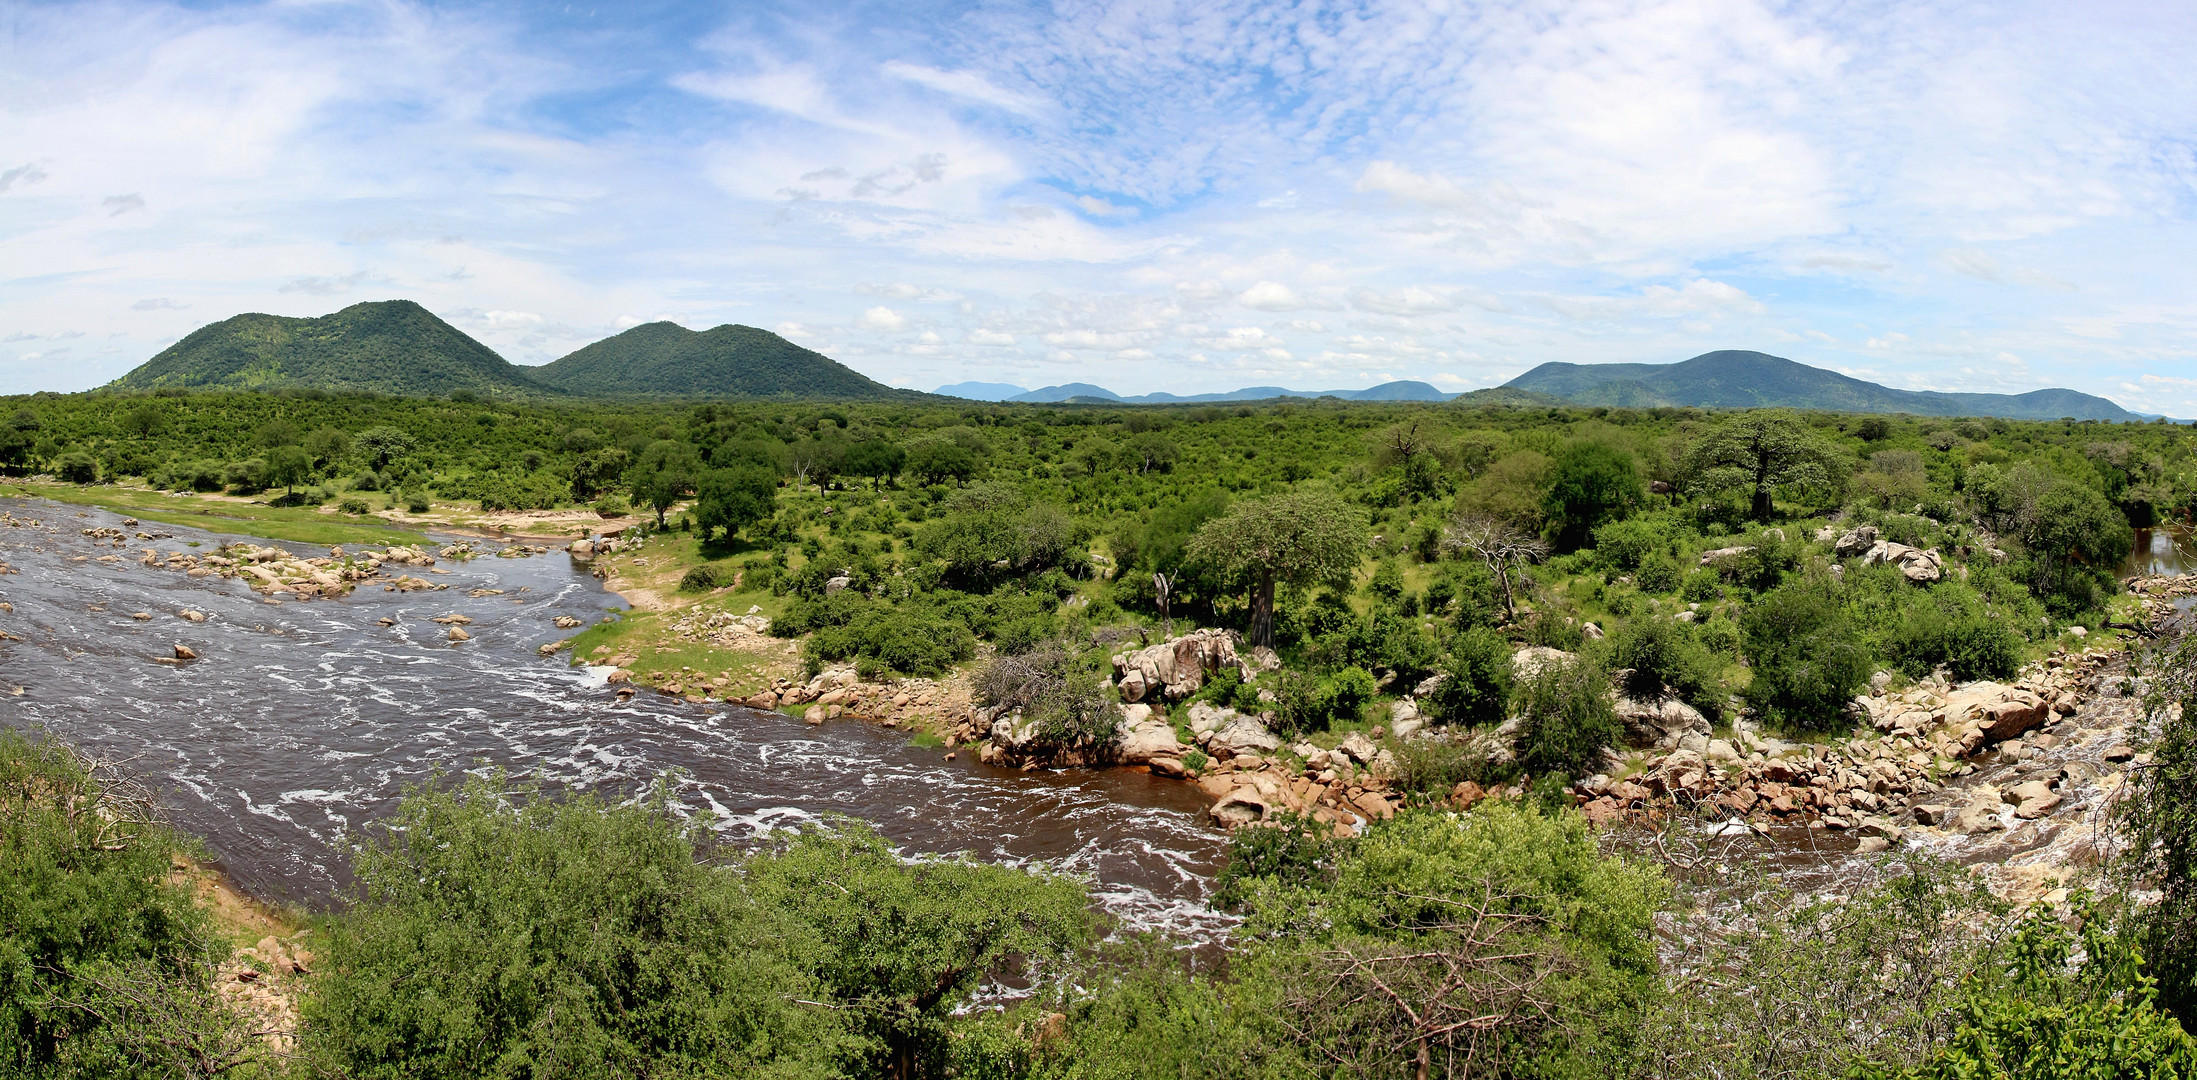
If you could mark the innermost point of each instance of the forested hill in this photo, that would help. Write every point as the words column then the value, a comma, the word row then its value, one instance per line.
column 1735, row 379
column 387, row 347
column 665, row 359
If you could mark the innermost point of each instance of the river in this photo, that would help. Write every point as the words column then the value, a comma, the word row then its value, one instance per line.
column 303, row 722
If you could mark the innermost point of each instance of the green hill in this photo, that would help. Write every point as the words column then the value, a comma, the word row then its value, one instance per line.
column 387, row 347
column 665, row 359
column 1734, row 379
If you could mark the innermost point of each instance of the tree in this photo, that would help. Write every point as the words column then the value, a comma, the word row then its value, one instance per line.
column 1476, row 679
column 879, row 459
column 382, row 445
column 287, row 467
column 1592, row 483
column 938, row 460
column 327, row 445
column 1809, row 660
column 279, row 433
column 17, row 437
column 1503, row 548
column 898, row 946
column 143, row 422
column 733, row 499
column 1298, row 536
column 663, row 474
column 1153, row 452
column 1761, row 452
column 816, row 461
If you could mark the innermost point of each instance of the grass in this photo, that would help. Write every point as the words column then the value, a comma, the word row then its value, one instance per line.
column 298, row 524
column 647, row 637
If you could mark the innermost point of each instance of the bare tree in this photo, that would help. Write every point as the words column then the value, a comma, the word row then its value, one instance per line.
column 1504, row 548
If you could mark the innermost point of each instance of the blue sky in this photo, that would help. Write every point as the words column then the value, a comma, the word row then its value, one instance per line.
column 1182, row 196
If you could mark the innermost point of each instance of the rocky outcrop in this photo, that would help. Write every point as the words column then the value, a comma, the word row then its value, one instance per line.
column 1855, row 541
column 1174, row 669
column 1915, row 564
column 1659, row 723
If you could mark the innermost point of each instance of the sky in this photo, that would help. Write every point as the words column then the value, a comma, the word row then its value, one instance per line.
column 1177, row 195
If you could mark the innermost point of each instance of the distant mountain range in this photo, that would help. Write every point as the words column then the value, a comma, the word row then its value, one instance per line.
column 1734, row 379
column 399, row 347
column 1087, row 394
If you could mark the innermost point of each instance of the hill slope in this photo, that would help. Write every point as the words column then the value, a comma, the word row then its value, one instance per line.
column 1087, row 394
column 387, row 346
column 665, row 359
column 1734, row 379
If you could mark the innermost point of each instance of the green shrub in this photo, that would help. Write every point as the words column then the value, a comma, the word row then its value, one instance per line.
column 1437, row 764
column 1554, row 631
column 708, row 576
column 1476, row 680
column 1699, row 587
column 1809, row 660
column 105, row 961
column 1293, row 850
column 416, row 502
column 1626, row 545
column 1659, row 652
column 355, row 505
column 1971, row 647
column 1658, row 574
column 1567, row 719
column 612, row 505
column 77, row 467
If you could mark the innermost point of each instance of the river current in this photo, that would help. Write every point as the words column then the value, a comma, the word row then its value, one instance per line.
column 302, row 723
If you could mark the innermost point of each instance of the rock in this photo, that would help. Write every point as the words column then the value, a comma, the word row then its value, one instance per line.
column 1265, row 659
column 1590, row 631
column 1917, row 565
column 1177, row 667
column 816, row 714
column 2032, row 809
column 582, row 550
column 1358, row 747
column 2077, row 632
column 141, row 616
column 185, row 652
column 1980, row 816
column 1135, row 714
column 457, row 633
column 1933, row 814
column 1239, row 808
column 2119, row 752
column 1404, row 729
column 1870, row 845
column 1148, row 739
column 1465, row 794
column 1167, row 766
column 835, row 584
column 1855, row 541
column 1687, row 616
column 1720, row 556
column 566, row 622
column 192, row 616
column 1659, row 724
column 1240, row 735
column 1528, row 662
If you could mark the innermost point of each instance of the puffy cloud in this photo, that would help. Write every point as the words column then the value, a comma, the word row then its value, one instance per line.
column 882, row 318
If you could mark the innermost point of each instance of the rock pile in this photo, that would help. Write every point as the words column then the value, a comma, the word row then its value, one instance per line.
column 273, row 571
column 1175, row 669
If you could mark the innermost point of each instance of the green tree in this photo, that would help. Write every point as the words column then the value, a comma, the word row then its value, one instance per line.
column 1592, row 483
column 2157, row 808
column 1760, row 452
column 1298, row 536
column 1809, row 659
column 1566, row 719
column 879, row 459
column 143, row 422
column 896, row 946
column 733, row 499
column 328, row 445
column 287, row 467
column 938, row 460
column 663, row 474
column 383, row 445
column 1476, row 679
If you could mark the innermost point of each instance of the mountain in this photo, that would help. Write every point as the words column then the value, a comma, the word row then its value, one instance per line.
column 1087, row 394
column 665, row 359
column 387, row 347
column 981, row 391
column 1735, row 379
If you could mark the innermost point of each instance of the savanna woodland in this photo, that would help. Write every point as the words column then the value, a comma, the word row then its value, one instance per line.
column 1508, row 664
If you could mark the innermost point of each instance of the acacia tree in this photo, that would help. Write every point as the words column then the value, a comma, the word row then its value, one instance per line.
column 383, row 445
column 1299, row 536
column 1762, row 451
column 664, row 473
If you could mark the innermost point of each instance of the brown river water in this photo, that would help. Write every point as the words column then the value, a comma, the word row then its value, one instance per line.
column 304, row 722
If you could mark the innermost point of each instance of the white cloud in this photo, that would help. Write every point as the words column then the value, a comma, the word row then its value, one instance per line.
column 882, row 318
column 158, row 303
column 967, row 85
column 118, row 205
column 1272, row 296
column 981, row 336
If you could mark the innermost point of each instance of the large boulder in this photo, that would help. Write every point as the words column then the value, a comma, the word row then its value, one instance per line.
column 1917, row 565
column 1175, row 668
column 1528, row 662
column 1242, row 735
column 2001, row 711
column 1856, row 541
column 1147, row 739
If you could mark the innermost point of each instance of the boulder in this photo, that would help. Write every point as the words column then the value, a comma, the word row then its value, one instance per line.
column 1528, row 662
column 457, row 633
column 1167, row 766
column 1980, row 816
column 2031, row 800
column 185, row 652
column 1855, row 541
column 832, row 585
column 1148, row 739
column 1933, row 814
column 1659, row 723
column 1359, row 748
column 187, row 615
column 582, row 550
column 1239, row 808
column 1720, row 556
column 1917, row 565
column 1241, row 735
column 1177, row 667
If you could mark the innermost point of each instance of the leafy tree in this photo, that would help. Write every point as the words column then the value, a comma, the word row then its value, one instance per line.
column 1592, row 483
column 143, row 422
column 938, row 460
column 1153, row 452
column 2157, row 807
column 1299, row 536
column 1567, row 719
column 383, row 445
column 1759, row 452
column 77, row 467
column 1809, row 660
column 328, row 445
column 879, row 459
column 663, row 474
column 17, row 437
column 287, row 467
column 897, row 947
column 733, row 499
column 276, row 433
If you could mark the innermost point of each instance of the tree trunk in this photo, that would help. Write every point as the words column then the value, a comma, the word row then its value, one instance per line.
column 1762, row 503
column 1262, row 611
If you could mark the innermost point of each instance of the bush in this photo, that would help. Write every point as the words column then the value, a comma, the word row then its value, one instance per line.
column 77, row 467
column 1070, row 708
column 105, row 961
column 1551, row 630
column 708, row 576
column 1567, row 719
column 1436, row 765
column 912, row 640
column 355, row 505
column 1699, row 587
column 1625, row 545
column 1658, row 574
column 612, row 505
column 1970, row 646
column 1658, row 653
column 416, row 502
column 1476, row 680
column 1809, row 660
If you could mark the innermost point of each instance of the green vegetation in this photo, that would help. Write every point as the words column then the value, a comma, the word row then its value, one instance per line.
column 1735, row 379
column 390, row 347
